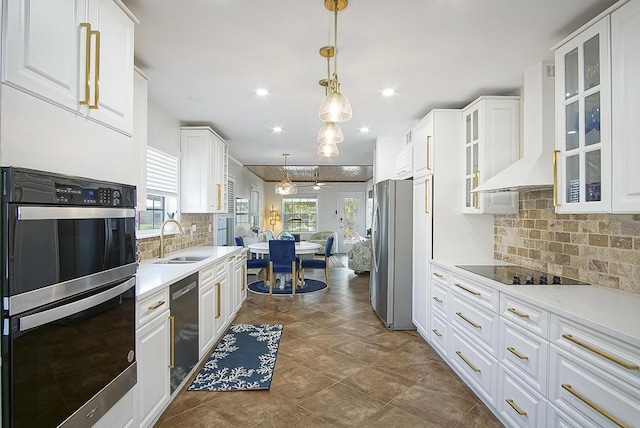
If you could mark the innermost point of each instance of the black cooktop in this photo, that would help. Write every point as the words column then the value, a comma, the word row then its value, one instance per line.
column 509, row 274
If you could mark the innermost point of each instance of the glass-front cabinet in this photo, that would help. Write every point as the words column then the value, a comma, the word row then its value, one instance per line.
column 583, row 105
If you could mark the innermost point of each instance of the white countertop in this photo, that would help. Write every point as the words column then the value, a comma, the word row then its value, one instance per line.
column 152, row 276
column 612, row 311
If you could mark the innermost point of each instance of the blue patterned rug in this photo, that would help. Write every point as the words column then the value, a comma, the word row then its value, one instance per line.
column 310, row 286
column 243, row 360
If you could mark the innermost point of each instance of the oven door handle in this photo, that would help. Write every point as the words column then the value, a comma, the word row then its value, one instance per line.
column 72, row 213
column 41, row 318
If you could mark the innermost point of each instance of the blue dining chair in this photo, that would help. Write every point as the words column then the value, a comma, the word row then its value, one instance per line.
column 255, row 263
column 319, row 263
column 282, row 259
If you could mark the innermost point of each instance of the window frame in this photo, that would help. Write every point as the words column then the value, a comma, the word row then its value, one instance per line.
column 296, row 227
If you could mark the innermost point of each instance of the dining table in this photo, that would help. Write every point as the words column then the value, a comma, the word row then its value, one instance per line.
column 302, row 247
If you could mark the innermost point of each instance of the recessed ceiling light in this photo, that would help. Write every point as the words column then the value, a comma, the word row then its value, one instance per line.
column 364, row 129
column 262, row 92
column 277, row 129
column 388, row 92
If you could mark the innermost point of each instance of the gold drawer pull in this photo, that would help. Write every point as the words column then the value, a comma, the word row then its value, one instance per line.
column 515, row 311
column 475, row 293
column 439, row 275
column 593, row 405
column 516, row 353
column 217, row 300
column 437, row 300
column 596, row 351
column 474, row 368
column 516, row 408
column 468, row 320
column 436, row 332
column 157, row 305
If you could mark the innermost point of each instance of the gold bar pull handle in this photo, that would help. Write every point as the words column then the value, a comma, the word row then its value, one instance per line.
column 594, row 406
column 219, row 186
column 157, row 305
column 437, row 299
column 476, row 197
column 172, row 362
column 426, row 196
column 516, row 312
column 87, row 64
column 96, row 73
column 474, row 368
column 436, row 332
column 475, row 293
column 556, row 202
column 218, row 300
column 600, row 353
column 468, row 320
column 439, row 275
column 516, row 408
column 244, row 278
column 429, row 152
column 516, row 353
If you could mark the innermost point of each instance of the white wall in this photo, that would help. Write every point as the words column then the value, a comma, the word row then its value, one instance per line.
column 384, row 155
column 163, row 130
column 245, row 180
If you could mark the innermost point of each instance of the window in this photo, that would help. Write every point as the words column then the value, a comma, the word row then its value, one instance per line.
column 300, row 214
column 242, row 212
column 224, row 222
column 162, row 190
column 255, row 207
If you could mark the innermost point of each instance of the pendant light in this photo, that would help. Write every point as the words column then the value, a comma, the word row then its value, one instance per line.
column 335, row 107
column 330, row 133
column 286, row 187
column 328, row 150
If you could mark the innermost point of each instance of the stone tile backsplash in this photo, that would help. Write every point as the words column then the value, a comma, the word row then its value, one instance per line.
column 150, row 247
column 601, row 249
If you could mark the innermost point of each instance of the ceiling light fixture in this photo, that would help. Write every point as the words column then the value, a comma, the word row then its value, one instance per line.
column 327, row 150
column 335, row 107
column 388, row 92
column 262, row 92
column 286, row 187
column 330, row 133
column 277, row 129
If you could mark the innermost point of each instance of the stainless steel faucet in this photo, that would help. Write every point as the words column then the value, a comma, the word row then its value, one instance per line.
column 162, row 233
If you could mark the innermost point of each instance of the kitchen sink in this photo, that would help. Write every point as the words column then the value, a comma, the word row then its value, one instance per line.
column 182, row 260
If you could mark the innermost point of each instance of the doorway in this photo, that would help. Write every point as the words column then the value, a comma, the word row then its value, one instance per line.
column 351, row 219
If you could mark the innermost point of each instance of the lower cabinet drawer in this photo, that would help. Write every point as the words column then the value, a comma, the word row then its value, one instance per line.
column 525, row 353
column 518, row 403
column 582, row 389
column 151, row 306
column 557, row 418
column 439, row 334
column 476, row 322
column 474, row 364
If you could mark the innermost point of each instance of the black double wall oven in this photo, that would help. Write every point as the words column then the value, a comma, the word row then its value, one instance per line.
column 68, row 298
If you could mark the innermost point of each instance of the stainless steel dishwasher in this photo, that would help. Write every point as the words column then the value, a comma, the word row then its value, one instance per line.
column 184, row 328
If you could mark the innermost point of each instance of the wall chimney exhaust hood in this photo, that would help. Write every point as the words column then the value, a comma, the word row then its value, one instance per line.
column 535, row 168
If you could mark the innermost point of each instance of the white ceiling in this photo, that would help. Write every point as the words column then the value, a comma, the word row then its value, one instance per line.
column 205, row 59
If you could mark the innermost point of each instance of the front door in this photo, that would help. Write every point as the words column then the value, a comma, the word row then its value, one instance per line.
column 351, row 219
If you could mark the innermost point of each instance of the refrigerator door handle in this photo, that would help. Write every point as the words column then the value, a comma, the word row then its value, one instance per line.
column 374, row 238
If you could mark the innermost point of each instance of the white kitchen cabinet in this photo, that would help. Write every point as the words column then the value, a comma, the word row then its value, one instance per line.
column 153, row 357
column 239, row 264
column 422, row 138
column 139, row 138
column 625, row 100
column 203, row 172
column 206, row 308
column 583, row 122
column 422, row 205
column 223, row 301
column 77, row 55
column 404, row 163
column 120, row 415
column 491, row 127
column 517, row 403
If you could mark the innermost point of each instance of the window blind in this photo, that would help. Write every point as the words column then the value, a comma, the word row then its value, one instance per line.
column 162, row 172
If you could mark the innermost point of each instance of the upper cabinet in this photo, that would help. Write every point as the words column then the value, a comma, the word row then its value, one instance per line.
column 76, row 54
column 422, row 135
column 491, row 138
column 597, row 101
column 203, row 172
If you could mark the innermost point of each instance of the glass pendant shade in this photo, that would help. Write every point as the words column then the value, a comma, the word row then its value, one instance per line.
column 327, row 150
column 286, row 187
column 330, row 133
column 335, row 108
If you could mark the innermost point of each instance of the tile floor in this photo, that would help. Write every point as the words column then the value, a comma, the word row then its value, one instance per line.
column 337, row 366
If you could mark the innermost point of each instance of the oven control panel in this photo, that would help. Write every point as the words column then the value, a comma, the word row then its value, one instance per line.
column 75, row 195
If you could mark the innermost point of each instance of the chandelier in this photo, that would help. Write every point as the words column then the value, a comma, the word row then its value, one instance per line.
column 335, row 107
column 286, row 187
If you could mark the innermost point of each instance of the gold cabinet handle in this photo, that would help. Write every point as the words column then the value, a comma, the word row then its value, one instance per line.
column 219, row 196
column 87, row 63
column 475, row 293
column 429, row 152
column 244, row 277
column 516, row 408
column 600, row 353
column 593, row 405
column 426, row 196
column 436, row 332
column 96, row 81
column 157, row 305
column 172, row 363
column 438, row 275
column 516, row 353
column 474, row 368
column 468, row 320
column 437, row 299
column 556, row 202
column 218, row 300
column 515, row 312
column 476, row 197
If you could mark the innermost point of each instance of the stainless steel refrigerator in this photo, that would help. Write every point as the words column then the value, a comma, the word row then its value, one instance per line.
column 392, row 244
